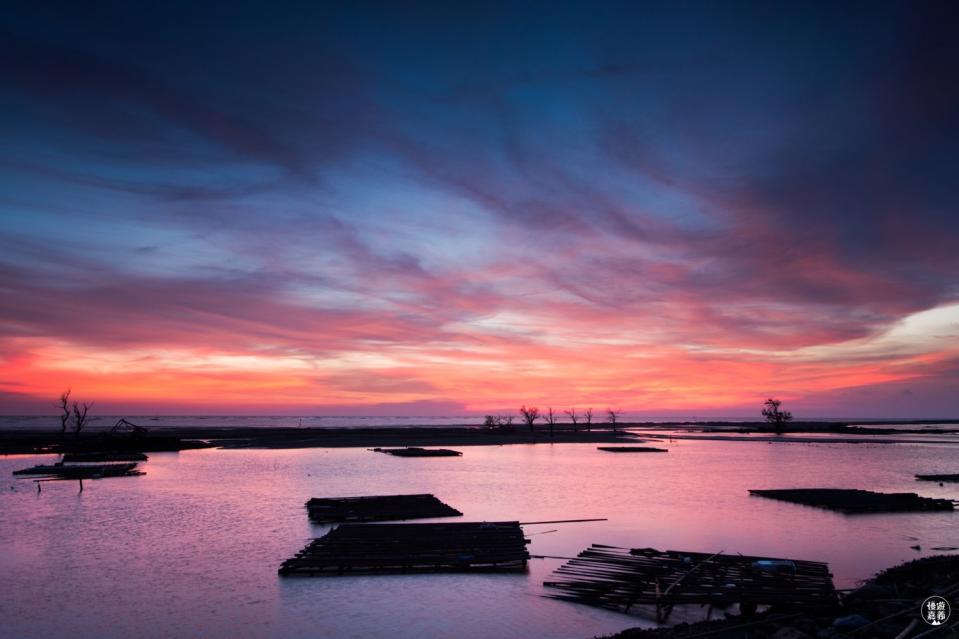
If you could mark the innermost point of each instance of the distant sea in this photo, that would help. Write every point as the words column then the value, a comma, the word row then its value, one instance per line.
column 104, row 422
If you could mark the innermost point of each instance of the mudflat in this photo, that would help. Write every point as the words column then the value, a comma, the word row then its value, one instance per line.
column 46, row 441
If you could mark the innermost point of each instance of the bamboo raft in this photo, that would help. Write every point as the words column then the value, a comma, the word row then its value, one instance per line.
column 632, row 449
column 419, row 452
column 377, row 508
column 949, row 478
column 360, row 549
column 618, row 579
column 852, row 501
column 98, row 471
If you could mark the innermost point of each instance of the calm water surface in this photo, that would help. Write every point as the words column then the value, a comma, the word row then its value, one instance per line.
column 191, row 549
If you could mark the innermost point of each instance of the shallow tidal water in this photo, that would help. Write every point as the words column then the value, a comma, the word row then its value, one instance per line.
column 191, row 549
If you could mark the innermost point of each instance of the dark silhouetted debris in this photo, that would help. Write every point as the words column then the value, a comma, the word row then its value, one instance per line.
column 378, row 508
column 856, row 501
column 356, row 549
column 921, row 577
column 632, row 449
column 889, row 604
column 419, row 452
column 619, row 578
column 26, row 442
column 104, row 457
column 938, row 477
column 124, row 426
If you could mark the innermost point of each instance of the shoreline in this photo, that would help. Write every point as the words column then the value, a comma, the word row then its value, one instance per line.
column 400, row 437
column 25, row 442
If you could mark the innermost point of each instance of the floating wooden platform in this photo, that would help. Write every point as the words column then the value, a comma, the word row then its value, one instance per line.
column 632, row 449
column 82, row 472
column 938, row 477
column 856, row 501
column 358, row 549
column 419, row 452
column 619, row 578
column 378, row 508
column 116, row 456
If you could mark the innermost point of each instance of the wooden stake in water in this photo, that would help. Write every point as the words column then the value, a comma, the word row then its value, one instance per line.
column 560, row 521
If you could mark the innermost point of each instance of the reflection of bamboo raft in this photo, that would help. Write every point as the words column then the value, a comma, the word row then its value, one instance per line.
column 419, row 452
column 378, row 508
column 89, row 471
column 852, row 501
column 938, row 477
column 619, row 578
column 356, row 549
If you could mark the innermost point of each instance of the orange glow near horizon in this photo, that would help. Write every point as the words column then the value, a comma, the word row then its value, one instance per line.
column 490, row 374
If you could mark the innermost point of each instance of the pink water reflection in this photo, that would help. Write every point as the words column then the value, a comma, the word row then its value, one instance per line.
column 192, row 548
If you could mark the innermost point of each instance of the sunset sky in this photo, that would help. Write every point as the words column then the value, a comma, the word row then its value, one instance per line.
column 431, row 209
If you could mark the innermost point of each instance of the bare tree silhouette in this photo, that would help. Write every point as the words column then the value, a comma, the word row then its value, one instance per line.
column 80, row 417
column 530, row 415
column 612, row 416
column 588, row 414
column 776, row 417
column 499, row 421
column 550, row 419
column 64, row 406
column 573, row 417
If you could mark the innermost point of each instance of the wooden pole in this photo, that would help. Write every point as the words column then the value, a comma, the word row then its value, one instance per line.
column 560, row 521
